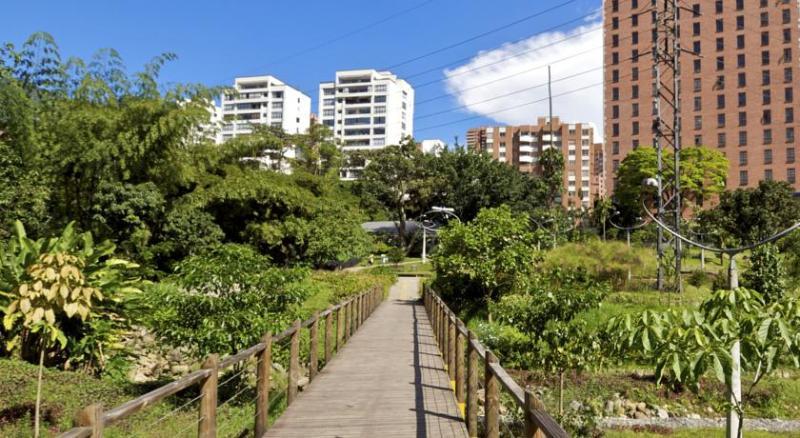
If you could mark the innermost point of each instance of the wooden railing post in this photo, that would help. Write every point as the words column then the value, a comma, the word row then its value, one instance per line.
column 451, row 349
column 329, row 335
column 262, row 385
column 472, row 388
column 92, row 416
column 491, row 396
column 313, row 350
column 359, row 316
column 339, row 327
column 460, row 398
column 294, row 363
column 532, row 403
column 207, row 426
column 347, row 318
column 445, row 341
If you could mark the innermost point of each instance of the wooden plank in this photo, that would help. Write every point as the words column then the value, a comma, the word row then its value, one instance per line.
column 328, row 336
column 313, row 348
column 472, row 387
column 388, row 381
column 128, row 408
column 241, row 356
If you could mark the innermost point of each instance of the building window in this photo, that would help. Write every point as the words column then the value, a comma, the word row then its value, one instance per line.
column 742, row 138
column 635, row 128
column 786, row 16
column 741, row 80
column 697, row 84
column 635, row 92
column 764, row 19
column 787, row 75
column 742, row 158
column 696, row 45
column 788, row 95
column 698, row 122
column 787, row 35
column 790, row 135
column 721, row 120
column 740, row 60
column 721, row 139
column 740, row 22
column 742, row 177
column 789, row 115
column 720, row 44
column 635, row 73
column 698, row 103
column 790, row 155
column 615, row 93
column 615, row 147
column 742, row 99
column 766, row 97
column 615, row 129
column 742, row 118
column 719, row 84
column 718, row 6
column 765, row 57
column 697, row 65
column 766, row 117
column 720, row 26
column 615, row 112
column 768, row 174
column 739, row 5
column 765, row 77
column 767, row 156
column 720, row 101
column 764, row 39
column 767, row 136
column 635, row 110
column 720, row 63
column 635, row 38
column 791, row 178
column 787, row 55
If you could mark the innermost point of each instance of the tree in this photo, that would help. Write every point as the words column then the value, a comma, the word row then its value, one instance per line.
column 690, row 344
column 397, row 177
column 480, row 261
column 601, row 213
column 468, row 182
column 766, row 275
column 749, row 215
column 552, row 164
column 316, row 153
column 703, row 174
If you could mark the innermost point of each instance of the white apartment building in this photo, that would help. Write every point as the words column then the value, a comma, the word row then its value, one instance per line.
column 366, row 110
column 264, row 100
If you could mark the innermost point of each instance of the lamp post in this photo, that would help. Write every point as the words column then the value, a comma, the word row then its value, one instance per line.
column 428, row 224
column 733, row 428
column 626, row 229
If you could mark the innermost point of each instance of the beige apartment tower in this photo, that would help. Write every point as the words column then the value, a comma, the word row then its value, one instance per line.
column 738, row 77
column 521, row 147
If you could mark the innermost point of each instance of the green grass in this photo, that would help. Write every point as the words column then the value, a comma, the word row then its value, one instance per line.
column 693, row 433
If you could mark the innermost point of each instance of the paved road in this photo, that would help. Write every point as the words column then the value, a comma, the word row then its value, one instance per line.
column 388, row 381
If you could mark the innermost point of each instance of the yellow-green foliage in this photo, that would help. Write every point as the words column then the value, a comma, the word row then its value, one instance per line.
column 607, row 260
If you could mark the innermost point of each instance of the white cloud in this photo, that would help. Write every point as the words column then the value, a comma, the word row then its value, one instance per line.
column 521, row 73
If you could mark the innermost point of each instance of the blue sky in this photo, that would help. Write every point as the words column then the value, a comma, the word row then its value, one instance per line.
column 216, row 41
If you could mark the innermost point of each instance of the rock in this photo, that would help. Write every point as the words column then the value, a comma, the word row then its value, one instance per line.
column 180, row 369
column 302, row 383
column 693, row 416
column 709, row 409
column 662, row 413
column 610, row 408
column 640, row 415
column 641, row 407
column 575, row 405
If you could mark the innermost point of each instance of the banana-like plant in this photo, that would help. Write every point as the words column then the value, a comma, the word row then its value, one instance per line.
column 45, row 283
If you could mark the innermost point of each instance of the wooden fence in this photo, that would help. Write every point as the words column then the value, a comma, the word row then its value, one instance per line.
column 461, row 352
column 348, row 315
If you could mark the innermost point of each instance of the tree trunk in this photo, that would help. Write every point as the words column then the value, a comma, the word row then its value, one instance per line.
column 38, row 396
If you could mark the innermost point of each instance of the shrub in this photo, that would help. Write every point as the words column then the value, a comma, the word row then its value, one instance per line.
column 766, row 275
column 224, row 300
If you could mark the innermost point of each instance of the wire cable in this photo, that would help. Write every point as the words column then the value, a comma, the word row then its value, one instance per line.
column 481, row 35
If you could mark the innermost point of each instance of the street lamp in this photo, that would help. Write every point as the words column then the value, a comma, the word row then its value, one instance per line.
column 428, row 224
column 734, row 418
column 626, row 229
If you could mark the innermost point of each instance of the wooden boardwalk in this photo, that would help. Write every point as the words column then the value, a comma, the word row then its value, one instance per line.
column 388, row 381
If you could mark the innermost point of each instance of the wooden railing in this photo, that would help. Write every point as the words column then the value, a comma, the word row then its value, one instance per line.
column 461, row 352
column 348, row 315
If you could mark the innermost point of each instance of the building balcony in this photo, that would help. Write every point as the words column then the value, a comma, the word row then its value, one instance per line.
column 526, row 149
column 526, row 159
column 527, row 139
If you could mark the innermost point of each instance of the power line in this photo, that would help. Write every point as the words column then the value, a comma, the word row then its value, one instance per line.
column 574, row 75
column 518, row 54
column 586, row 87
column 346, row 35
column 481, row 35
column 549, row 29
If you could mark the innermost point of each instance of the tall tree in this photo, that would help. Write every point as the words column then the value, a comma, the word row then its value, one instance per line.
column 703, row 174
column 317, row 154
column 398, row 178
column 552, row 163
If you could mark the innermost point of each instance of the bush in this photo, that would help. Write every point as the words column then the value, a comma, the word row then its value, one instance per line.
column 767, row 274
column 396, row 255
column 606, row 261
column 698, row 278
column 224, row 300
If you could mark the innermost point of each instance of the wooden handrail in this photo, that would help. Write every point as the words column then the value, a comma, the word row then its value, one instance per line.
column 538, row 422
column 92, row 419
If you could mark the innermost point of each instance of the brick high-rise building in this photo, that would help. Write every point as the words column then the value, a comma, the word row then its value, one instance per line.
column 737, row 96
column 521, row 147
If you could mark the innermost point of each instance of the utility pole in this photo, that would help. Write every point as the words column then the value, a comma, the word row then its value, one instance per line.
column 667, row 133
column 550, row 100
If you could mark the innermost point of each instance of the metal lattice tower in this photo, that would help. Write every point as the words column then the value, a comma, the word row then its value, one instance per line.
column 667, row 127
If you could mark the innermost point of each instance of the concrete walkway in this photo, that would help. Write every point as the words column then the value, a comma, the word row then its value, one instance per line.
column 388, row 381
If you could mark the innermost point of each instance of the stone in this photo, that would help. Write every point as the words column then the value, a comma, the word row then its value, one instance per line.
column 641, row 406
column 640, row 415
column 302, row 382
column 693, row 416
column 180, row 369
column 662, row 413
column 610, row 408
column 575, row 405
